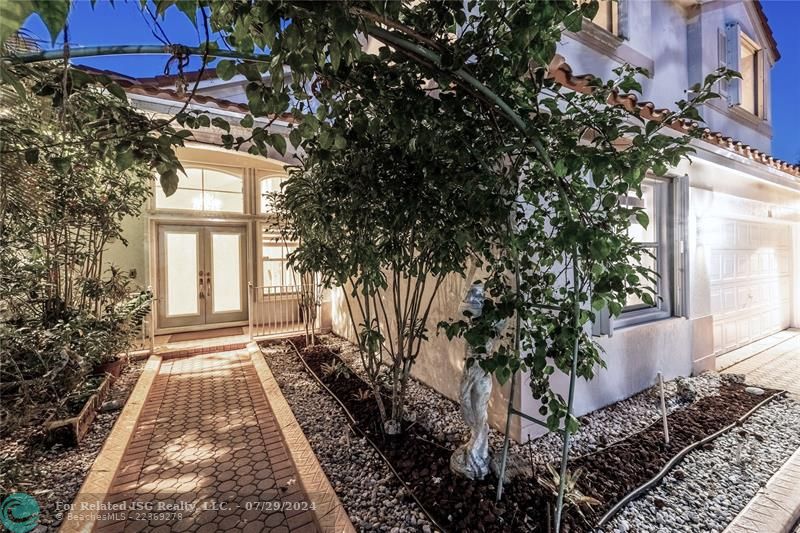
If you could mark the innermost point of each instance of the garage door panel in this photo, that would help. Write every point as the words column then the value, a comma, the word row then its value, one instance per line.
column 749, row 271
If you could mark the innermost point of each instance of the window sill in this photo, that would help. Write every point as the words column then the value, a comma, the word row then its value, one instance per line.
column 627, row 326
column 156, row 213
column 742, row 116
column 613, row 46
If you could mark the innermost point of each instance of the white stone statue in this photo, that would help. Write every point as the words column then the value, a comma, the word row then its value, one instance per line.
column 472, row 459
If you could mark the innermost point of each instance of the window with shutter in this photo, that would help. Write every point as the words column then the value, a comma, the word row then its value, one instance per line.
column 744, row 55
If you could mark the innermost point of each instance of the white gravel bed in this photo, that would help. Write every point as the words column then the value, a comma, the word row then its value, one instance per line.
column 724, row 485
column 56, row 474
column 711, row 486
column 371, row 495
column 599, row 428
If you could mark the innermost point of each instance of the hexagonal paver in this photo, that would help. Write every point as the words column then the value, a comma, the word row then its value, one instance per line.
column 207, row 466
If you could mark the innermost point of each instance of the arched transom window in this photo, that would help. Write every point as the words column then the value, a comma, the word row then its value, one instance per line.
column 202, row 189
column 269, row 185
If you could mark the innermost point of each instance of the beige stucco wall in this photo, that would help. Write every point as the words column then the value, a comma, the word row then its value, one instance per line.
column 134, row 255
column 440, row 362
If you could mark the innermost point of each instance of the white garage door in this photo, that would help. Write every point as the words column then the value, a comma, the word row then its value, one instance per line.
column 750, row 280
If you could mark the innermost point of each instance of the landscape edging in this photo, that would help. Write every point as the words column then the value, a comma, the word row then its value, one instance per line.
column 774, row 497
column 644, row 487
column 329, row 512
column 82, row 516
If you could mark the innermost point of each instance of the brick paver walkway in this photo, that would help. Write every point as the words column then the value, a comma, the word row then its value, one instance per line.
column 207, row 456
column 777, row 505
column 777, row 367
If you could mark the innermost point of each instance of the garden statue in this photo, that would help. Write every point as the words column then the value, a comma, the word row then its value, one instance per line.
column 471, row 459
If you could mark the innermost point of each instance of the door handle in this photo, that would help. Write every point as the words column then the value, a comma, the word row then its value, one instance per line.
column 208, row 284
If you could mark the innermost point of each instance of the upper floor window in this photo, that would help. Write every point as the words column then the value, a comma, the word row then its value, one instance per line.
column 752, row 78
column 741, row 53
column 207, row 190
column 607, row 16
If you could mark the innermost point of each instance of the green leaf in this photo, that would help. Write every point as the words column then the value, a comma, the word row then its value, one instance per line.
column 642, row 219
column 53, row 13
column 503, row 374
column 560, row 168
column 325, row 139
column 14, row 14
column 574, row 21
column 247, row 121
column 169, row 181
column 226, row 69
column 7, row 76
column 117, row 91
column 339, row 142
column 295, row 137
column 590, row 9
column 221, row 123
column 32, row 156
column 630, row 84
column 572, row 424
column 279, row 143
column 124, row 159
column 61, row 164
column 189, row 8
column 335, row 55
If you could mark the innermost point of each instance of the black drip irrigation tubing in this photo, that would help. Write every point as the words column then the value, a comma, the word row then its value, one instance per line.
column 641, row 489
column 354, row 425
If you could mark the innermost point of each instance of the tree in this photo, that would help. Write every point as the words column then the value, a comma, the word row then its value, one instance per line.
column 62, row 201
column 387, row 207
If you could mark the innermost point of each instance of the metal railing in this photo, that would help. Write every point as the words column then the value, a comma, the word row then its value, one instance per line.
column 145, row 341
column 277, row 310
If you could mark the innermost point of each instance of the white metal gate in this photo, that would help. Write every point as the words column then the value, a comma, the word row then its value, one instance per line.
column 277, row 310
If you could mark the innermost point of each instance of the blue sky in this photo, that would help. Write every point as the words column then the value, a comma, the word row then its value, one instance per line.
column 124, row 24
column 784, row 17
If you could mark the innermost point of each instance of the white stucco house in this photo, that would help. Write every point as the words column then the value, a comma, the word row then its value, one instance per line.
column 726, row 228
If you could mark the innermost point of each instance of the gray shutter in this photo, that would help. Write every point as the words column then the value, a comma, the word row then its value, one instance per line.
column 623, row 7
column 763, row 87
column 722, row 60
column 680, row 190
column 732, row 50
column 603, row 323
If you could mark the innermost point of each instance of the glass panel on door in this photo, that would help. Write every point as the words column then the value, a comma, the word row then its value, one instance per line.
column 227, row 280
column 182, row 273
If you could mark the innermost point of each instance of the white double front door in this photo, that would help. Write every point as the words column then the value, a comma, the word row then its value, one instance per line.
column 201, row 275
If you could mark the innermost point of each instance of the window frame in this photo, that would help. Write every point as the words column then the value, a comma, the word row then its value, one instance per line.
column 237, row 173
column 260, row 207
column 269, row 239
column 664, row 223
column 735, row 40
column 613, row 14
column 756, row 89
